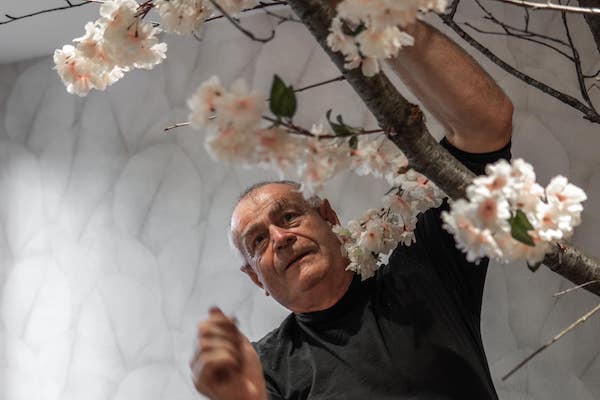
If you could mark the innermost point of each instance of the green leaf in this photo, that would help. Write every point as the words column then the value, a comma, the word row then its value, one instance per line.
column 519, row 225
column 283, row 99
column 353, row 142
column 340, row 128
column 534, row 267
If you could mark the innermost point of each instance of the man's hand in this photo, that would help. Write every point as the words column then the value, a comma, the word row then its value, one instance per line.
column 225, row 366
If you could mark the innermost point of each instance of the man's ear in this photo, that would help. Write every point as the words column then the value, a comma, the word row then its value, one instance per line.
column 247, row 269
column 327, row 212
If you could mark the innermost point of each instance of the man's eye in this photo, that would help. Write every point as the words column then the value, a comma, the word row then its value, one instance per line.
column 287, row 217
column 258, row 239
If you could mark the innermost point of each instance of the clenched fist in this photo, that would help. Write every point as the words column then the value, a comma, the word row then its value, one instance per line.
column 225, row 366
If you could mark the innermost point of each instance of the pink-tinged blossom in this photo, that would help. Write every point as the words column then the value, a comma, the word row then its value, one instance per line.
column 552, row 224
column 231, row 146
column 420, row 190
column 383, row 43
column 565, row 195
column 130, row 42
column 239, row 107
column 402, row 207
column 278, row 148
column 80, row 74
column 183, row 17
column 476, row 242
column 493, row 199
column 320, row 159
column 380, row 37
column 371, row 238
column 204, row 102
column 112, row 45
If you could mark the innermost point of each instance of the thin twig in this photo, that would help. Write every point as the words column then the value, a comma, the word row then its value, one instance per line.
column 549, row 343
column 577, row 62
column 339, row 78
column 524, row 31
column 245, row 10
column 240, row 27
column 298, row 130
column 314, row 85
column 589, row 114
column 511, row 34
column 551, row 6
column 557, row 294
column 281, row 19
column 49, row 10
column 178, row 125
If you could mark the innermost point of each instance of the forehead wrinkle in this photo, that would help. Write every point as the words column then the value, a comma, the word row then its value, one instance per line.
column 274, row 208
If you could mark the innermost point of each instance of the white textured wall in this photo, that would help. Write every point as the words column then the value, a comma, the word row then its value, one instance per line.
column 112, row 239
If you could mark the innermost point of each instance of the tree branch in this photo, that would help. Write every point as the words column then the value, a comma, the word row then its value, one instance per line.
column 549, row 343
column 240, row 27
column 393, row 111
column 49, row 10
column 448, row 19
column 553, row 7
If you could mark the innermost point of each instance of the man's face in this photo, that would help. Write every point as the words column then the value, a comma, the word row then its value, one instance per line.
column 289, row 247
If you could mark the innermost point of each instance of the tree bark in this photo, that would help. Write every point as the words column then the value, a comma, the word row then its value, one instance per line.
column 425, row 155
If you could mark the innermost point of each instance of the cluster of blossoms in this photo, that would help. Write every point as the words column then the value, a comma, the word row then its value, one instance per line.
column 236, row 134
column 117, row 42
column 120, row 40
column 183, row 17
column 508, row 216
column 378, row 232
column 367, row 31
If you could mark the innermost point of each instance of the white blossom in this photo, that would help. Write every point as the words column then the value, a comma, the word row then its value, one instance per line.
column 183, row 17
column 80, row 74
column 203, row 103
column 239, row 107
column 481, row 224
column 367, row 32
column 115, row 43
column 128, row 41
column 566, row 196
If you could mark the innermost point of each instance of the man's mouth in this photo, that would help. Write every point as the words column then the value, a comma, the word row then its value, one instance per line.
column 296, row 259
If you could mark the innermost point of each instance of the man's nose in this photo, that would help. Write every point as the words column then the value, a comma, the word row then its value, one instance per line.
column 281, row 238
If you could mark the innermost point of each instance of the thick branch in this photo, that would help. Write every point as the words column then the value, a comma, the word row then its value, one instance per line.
column 390, row 108
column 424, row 153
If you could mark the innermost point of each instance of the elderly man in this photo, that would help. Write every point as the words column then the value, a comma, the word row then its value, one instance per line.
column 411, row 331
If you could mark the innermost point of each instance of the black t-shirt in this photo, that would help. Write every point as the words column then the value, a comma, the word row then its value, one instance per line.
column 410, row 332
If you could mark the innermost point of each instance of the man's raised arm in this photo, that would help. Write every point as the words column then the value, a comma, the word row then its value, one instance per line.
column 475, row 112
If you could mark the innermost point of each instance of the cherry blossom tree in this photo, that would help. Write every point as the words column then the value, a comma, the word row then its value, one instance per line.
column 505, row 215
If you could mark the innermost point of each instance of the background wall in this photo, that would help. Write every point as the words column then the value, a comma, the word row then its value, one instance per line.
column 113, row 233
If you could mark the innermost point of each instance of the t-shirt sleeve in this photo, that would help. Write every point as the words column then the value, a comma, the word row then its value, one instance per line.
column 463, row 280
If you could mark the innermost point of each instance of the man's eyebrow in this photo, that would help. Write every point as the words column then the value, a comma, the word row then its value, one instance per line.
column 277, row 207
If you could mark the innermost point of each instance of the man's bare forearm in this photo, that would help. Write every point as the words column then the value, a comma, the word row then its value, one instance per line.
column 474, row 110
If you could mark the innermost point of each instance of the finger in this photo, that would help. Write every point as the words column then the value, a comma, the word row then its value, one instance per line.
column 211, row 329
column 216, row 366
column 216, row 344
column 215, row 338
column 215, row 314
